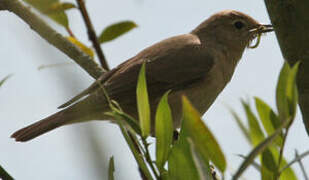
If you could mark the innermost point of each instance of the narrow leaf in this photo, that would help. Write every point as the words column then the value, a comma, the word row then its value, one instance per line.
column 291, row 91
column 180, row 161
column 59, row 7
column 44, row 7
column 164, row 131
column 125, row 118
column 257, row 150
column 202, row 165
column 83, row 47
column 143, row 103
column 282, row 104
column 272, row 162
column 255, row 130
column 5, row 79
column 242, row 127
column 111, row 169
column 115, row 30
column 269, row 161
column 266, row 174
column 201, row 136
column 268, row 117
column 45, row 66
column 287, row 174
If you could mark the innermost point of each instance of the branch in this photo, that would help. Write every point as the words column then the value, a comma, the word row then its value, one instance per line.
column 297, row 159
column 291, row 24
column 91, row 34
column 301, row 165
column 277, row 173
column 148, row 158
column 51, row 36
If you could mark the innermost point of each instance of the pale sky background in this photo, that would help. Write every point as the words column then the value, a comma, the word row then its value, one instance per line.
column 66, row 153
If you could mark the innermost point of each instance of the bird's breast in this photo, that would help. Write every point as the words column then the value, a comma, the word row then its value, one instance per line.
column 201, row 94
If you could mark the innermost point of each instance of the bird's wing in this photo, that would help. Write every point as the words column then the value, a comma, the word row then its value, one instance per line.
column 170, row 64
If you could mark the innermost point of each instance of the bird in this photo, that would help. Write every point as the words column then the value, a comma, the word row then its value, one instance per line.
column 198, row 65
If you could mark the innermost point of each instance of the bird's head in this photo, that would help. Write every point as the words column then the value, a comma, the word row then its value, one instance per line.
column 231, row 28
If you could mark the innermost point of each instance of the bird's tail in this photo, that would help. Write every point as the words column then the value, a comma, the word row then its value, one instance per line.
column 43, row 126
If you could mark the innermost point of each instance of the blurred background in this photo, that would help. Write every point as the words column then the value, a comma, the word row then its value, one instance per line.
column 82, row 151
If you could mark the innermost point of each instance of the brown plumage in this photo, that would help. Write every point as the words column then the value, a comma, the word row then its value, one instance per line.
column 198, row 64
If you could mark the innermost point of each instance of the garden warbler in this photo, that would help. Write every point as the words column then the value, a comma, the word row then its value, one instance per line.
column 198, row 64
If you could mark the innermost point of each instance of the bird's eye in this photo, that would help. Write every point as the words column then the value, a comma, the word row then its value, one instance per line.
column 239, row 25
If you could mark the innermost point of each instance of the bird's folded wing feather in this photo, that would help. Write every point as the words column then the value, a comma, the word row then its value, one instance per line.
column 170, row 64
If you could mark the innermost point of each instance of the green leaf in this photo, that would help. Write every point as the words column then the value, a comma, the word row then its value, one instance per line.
column 269, row 162
column 143, row 103
column 268, row 117
column 288, row 173
column 257, row 150
column 201, row 136
column 164, row 175
column 111, row 169
column 115, row 30
column 286, row 95
column 164, row 131
column 281, row 100
column 266, row 174
column 202, row 165
column 44, row 7
column 5, row 79
column 242, row 127
column 180, row 161
column 291, row 90
column 255, row 130
column 59, row 8
column 125, row 118
column 270, row 159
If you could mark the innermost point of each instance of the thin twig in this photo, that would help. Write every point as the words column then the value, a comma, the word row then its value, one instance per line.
column 52, row 36
column 143, row 176
column 277, row 174
column 254, row 164
column 301, row 165
column 295, row 160
column 148, row 158
column 70, row 32
column 258, row 149
column 138, row 157
column 91, row 34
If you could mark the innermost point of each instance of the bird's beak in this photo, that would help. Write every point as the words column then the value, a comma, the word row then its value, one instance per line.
column 262, row 28
column 266, row 28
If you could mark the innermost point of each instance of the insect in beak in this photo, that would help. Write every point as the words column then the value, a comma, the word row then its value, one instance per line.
column 257, row 33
